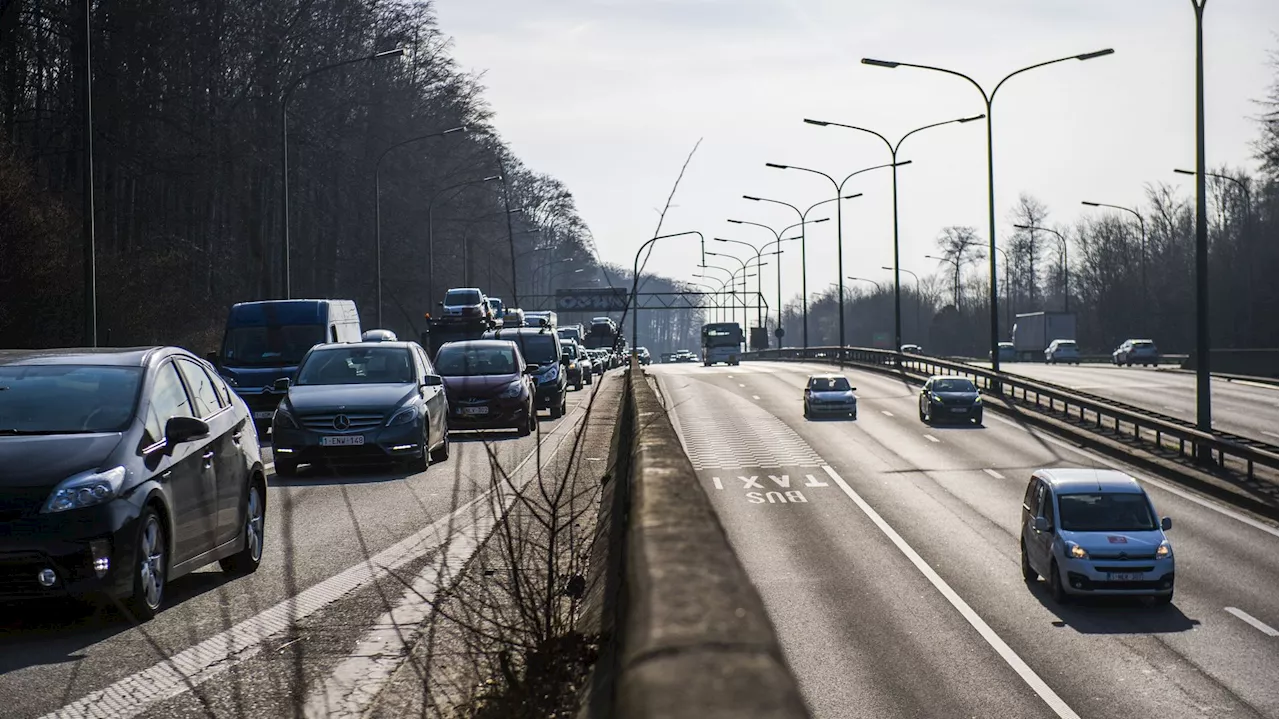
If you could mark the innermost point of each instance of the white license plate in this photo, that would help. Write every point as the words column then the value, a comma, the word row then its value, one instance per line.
column 475, row 410
column 1125, row 576
column 349, row 440
column 263, row 415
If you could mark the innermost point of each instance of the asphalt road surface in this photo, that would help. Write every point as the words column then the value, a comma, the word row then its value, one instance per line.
column 339, row 553
column 1249, row 409
column 887, row 555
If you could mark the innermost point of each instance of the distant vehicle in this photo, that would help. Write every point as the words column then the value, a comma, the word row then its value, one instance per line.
column 378, row 336
column 721, row 342
column 587, row 363
column 540, row 347
column 643, row 356
column 572, row 332
column 541, row 318
column 828, row 394
column 362, row 403
column 685, row 356
column 121, row 470
column 1007, row 352
column 945, row 398
column 488, row 386
column 466, row 303
column 1133, row 352
column 668, row 357
column 1094, row 532
column 497, row 309
column 1033, row 332
column 264, row 341
column 599, row 362
column 513, row 318
column 602, row 334
column 574, row 367
column 912, row 350
column 1064, row 351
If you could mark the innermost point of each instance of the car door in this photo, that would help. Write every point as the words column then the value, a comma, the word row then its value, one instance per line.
column 227, row 469
column 924, row 396
column 181, row 467
column 433, row 397
column 1041, row 545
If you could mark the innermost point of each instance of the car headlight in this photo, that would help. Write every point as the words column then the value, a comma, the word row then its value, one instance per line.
column 1164, row 551
column 977, row 400
column 283, row 418
column 934, row 398
column 573, row 365
column 1075, row 551
column 512, row 391
column 404, row 416
column 85, row 490
column 552, row 374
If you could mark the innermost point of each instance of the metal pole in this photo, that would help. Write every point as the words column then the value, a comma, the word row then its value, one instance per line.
column 90, row 239
column 284, row 195
column 991, row 218
column 506, row 201
column 377, row 233
column 1204, row 417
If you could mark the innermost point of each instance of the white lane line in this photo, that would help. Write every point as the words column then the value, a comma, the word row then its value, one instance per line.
column 1166, row 486
column 1244, row 617
column 742, row 385
column 1270, row 434
column 886, row 413
column 931, row 438
column 1010, row 657
column 192, row 667
column 994, row 473
column 269, row 466
column 755, row 396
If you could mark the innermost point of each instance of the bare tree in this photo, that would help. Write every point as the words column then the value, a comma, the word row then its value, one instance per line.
column 959, row 245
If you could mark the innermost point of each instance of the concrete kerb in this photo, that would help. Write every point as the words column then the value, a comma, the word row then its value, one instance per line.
column 696, row 641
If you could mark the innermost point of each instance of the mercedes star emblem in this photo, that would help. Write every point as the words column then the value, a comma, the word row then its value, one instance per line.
column 341, row 423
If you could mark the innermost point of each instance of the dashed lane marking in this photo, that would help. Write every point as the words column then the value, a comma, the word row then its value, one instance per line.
column 931, row 438
column 724, row 430
column 755, row 396
column 742, row 385
column 994, row 473
column 886, row 413
column 1244, row 617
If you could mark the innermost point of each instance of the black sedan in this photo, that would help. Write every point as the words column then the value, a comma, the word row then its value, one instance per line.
column 121, row 470
column 946, row 398
column 358, row 403
column 489, row 386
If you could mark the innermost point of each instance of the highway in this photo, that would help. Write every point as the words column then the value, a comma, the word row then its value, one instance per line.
column 887, row 555
column 339, row 553
column 1249, row 409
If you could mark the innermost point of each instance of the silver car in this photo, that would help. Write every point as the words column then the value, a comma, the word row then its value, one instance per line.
column 1133, row 352
column 1094, row 532
column 829, row 395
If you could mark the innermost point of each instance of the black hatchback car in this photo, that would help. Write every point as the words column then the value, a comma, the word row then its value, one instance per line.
column 946, row 398
column 121, row 470
column 540, row 347
column 489, row 386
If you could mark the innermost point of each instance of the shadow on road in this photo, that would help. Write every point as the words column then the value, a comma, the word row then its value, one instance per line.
column 1114, row 615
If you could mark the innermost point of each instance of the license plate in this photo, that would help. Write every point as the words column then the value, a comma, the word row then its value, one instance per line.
column 355, row 439
column 263, row 415
column 1125, row 576
column 959, row 409
column 475, row 410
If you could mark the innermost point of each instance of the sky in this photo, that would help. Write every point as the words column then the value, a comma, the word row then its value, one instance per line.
column 610, row 96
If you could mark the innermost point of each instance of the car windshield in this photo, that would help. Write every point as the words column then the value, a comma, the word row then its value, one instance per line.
column 461, row 359
column 357, row 365
column 462, row 297
column 67, row 399
column 1068, row 345
column 1105, row 512
column 953, row 385
column 273, row 345
column 829, row 384
column 538, row 348
column 1143, row 345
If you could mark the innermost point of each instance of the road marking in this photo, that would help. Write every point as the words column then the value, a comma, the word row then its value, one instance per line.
column 886, row 413
column 269, row 466
column 1271, row 434
column 931, row 438
column 1166, row 486
column 716, row 481
column 1010, row 657
column 192, row 667
column 742, row 385
column 755, row 396
column 994, row 473
column 1244, row 617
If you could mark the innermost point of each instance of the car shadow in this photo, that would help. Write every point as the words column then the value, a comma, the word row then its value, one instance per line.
column 949, row 426
column 1114, row 615
column 329, row 475
column 483, row 435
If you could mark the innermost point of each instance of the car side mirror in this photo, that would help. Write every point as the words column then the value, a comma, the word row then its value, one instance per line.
column 281, row 385
column 440, row 303
column 1040, row 524
column 432, row 380
column 184, row 429
column 212, row 357
column 530, row 369
column 1166, row 524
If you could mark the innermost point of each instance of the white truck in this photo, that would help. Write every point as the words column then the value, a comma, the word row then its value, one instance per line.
column 1034, row 331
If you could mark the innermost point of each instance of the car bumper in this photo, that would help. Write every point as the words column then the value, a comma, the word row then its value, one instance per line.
column 500, row 414
column 61, row 542
column 549, row 395
column 950, row 412
column 833, row 408
column 383, row 444
column 1091, row 577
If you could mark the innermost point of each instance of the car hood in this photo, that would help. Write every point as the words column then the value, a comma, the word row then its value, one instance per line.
column 45, row 460
column 832, row 396
column 478, row 386
column 958, row 396
column 253, row 379
column 1140, row 542
column 381, row 397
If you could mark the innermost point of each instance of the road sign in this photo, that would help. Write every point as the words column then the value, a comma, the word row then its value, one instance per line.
column 779, row 333
column 607, row 299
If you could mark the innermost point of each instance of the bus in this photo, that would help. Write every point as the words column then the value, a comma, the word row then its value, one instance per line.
column 721, row 342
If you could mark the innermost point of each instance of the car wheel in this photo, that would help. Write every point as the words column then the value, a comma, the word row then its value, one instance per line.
column 921, row 411
column 806, row 410
column 1028, row 574
column 853, row 416
column 978, row 419
column 151, row 567
column 246, row 561
column 441, row 453
column 1056, row 590
column 578, row 386
column 531, row 421
column 286, row 468
column 421, row 462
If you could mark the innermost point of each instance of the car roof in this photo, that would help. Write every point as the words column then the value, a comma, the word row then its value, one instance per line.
column 114, row 356
column 480, row 344
column 828, row 375
column 403, row 344
column 520, row 331
column 948, row 376
column 1085, row 479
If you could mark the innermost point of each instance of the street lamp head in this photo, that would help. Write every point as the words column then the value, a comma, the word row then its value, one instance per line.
column 788, row 239
column 1090, row 204
column 1096, row 53
column 491, row 178
column 1186, row 172
column 900, row 164
column 850, row 197
column 880, row 63
column 971, row 119
column 824, row 219
column 450, row 131
column 388, row 53
column 749, row 197
column 776, row 166
column 819, row 123
column 1023, row 227
column 719, row 239
column 736, row 222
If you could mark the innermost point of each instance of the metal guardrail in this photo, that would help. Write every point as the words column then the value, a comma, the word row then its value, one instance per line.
column 1226, row 451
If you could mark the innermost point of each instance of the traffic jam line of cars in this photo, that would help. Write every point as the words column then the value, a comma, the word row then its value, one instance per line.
column 123, row 469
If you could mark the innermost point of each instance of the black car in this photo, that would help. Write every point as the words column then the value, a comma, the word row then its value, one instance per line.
column 121, row 470
column 362, row 402
column 947, row 398
column 489, row 386
column 577, row 367
column 540, row 347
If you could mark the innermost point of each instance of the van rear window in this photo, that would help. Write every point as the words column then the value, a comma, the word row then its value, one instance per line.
column 270, row 346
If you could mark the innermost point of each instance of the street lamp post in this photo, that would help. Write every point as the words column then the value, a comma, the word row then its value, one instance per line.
column 635, row 281
column 534, row 274
column 1066, row 271
column 879, row 288
column 729, row 281
column 377, row 205
column 988, row 99
column 752, row 262
column 917, row 279
column 1204, row 416
column 431, row 206
column 1009, row 290
column 284, row 151
column 1142, row 248
column 893, row 155
column 955, row 285
column 777, row 237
